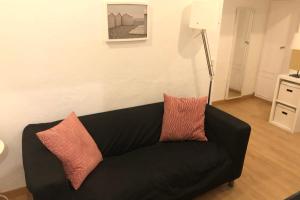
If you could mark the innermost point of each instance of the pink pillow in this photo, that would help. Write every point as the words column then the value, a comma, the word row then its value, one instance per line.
column 183, row 119
column 74, row 147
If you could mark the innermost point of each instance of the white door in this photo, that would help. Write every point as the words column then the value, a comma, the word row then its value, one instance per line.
column 244, row 22
column 275, row 47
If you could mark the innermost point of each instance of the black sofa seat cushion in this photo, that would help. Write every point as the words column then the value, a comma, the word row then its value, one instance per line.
column 161, row 171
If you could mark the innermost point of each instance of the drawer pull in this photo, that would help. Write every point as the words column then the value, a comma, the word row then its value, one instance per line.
column 289, row 90
column 285, row 113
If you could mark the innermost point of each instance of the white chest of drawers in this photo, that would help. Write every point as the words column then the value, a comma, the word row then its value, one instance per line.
column 285, row 112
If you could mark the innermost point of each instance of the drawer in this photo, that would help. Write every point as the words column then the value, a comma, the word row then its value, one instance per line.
column 289, row 93
column 284, row 115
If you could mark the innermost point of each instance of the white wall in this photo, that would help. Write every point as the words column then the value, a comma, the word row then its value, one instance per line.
column 54, row 60
column 283, row 21
column 295, row 27
column 226, row 45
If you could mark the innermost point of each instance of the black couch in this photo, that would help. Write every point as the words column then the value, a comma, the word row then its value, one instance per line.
column 136, row 165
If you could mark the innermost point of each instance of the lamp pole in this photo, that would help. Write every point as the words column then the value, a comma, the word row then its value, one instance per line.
column 208, row 60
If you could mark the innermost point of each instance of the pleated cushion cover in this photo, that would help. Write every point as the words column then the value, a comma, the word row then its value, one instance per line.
column 183, row 119
column 74, row 147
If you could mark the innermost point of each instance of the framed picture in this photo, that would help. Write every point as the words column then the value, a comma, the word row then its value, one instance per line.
column 127, row 21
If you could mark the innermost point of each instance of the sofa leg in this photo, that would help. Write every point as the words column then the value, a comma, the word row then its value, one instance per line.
column 231, row 184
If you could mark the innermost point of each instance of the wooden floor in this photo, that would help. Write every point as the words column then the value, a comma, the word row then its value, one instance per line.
column 20, row 194
column 272, row 165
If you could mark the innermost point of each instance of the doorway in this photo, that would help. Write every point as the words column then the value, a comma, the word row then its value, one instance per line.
column 241, row 41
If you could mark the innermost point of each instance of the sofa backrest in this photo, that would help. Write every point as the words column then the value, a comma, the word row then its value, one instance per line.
column 119, row 131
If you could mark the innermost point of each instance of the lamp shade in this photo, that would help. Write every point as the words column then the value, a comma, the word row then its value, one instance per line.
column 205, row 14
column 296, row 42
column 295, row 60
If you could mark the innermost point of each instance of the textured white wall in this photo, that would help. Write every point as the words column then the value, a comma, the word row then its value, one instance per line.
column 54, row 60
column 261, row 8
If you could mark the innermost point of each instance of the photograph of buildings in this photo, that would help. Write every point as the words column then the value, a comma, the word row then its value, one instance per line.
column 127, row 21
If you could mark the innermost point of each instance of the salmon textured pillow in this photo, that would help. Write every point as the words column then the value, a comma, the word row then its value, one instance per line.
column 183, row 119
column 74, row 147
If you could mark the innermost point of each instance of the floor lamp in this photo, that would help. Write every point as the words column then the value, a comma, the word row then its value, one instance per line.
column 205, row 16
column 2, row 148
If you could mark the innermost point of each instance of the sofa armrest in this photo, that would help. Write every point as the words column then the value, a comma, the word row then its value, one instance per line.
column 44, row 174
column 230, row 133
